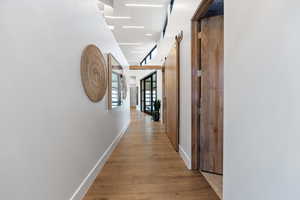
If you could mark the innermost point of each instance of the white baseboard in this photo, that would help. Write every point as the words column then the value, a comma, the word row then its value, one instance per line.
column 185, row 158
column 90, row 178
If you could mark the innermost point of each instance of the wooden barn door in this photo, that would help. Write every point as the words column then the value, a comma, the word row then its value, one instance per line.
column 212, row 92
column 171, row 78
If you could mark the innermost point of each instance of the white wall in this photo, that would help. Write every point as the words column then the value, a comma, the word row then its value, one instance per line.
column 51, row 134
column 180, row 20
column 262, row 95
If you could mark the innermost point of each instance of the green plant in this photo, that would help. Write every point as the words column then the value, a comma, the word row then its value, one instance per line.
column 157, row 105
column 156, row 114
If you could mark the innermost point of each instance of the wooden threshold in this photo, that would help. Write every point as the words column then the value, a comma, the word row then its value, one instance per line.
column 216, row 182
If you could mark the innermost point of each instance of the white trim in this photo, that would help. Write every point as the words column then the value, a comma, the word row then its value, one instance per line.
column 185, row 158
column 89, row 179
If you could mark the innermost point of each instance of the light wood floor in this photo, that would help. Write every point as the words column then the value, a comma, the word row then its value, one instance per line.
column 144, row 166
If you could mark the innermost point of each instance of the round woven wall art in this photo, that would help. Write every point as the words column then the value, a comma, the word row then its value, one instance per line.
column 93, row 73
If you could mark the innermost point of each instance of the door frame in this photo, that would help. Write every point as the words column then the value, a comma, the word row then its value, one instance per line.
column 196, row 62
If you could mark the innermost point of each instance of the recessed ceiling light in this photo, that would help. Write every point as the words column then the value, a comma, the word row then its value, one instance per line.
column 148, row 34
column 130, row 43
column 111, row 27
column 144, row 5
column 140, row 48
column 117, row 17
column 137, row 52
column 133, row 27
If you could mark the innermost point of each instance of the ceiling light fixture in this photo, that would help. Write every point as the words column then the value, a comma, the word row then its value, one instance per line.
column 137, row 52
column 111, row 27
column 133, row 27
column 140, row 48
column 117, row 17
column 144, row 5
column 130, row 44
column 148, row 34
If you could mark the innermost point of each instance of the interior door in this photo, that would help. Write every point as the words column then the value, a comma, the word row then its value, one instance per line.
column 212, row 92
column 142, row 95
column 133, row 97
column 164, row 98
column 171, row 73
column 148, row 95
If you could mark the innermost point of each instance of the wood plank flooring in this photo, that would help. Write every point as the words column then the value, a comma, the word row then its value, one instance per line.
column 144, row 166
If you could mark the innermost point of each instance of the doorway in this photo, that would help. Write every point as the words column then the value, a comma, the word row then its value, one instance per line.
column 148, row 93
column 207, row 89
column 134, row 97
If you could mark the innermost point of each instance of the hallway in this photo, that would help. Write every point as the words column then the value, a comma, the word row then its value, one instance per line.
column 144, row 166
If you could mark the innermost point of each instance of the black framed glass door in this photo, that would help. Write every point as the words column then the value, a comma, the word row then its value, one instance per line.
column 148, row 93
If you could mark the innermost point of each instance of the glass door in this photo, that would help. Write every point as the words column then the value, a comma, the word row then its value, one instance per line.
column 148, row 93
column 142, row 97
column 154, row 90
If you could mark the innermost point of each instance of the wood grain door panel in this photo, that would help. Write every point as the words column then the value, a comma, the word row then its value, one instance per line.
column 172, row 97
column 212, row 92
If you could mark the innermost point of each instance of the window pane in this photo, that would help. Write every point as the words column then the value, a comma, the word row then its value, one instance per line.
column 154, row 53
column 116, row 90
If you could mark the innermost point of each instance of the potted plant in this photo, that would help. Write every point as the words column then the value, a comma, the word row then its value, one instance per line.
column 156, row 113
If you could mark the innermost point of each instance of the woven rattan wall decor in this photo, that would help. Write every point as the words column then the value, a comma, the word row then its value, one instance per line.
column 94, row 73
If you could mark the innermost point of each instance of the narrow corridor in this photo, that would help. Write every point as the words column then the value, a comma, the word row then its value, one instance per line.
column 144, row 166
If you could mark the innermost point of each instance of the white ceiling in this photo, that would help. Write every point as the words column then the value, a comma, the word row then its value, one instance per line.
column 151, row 18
